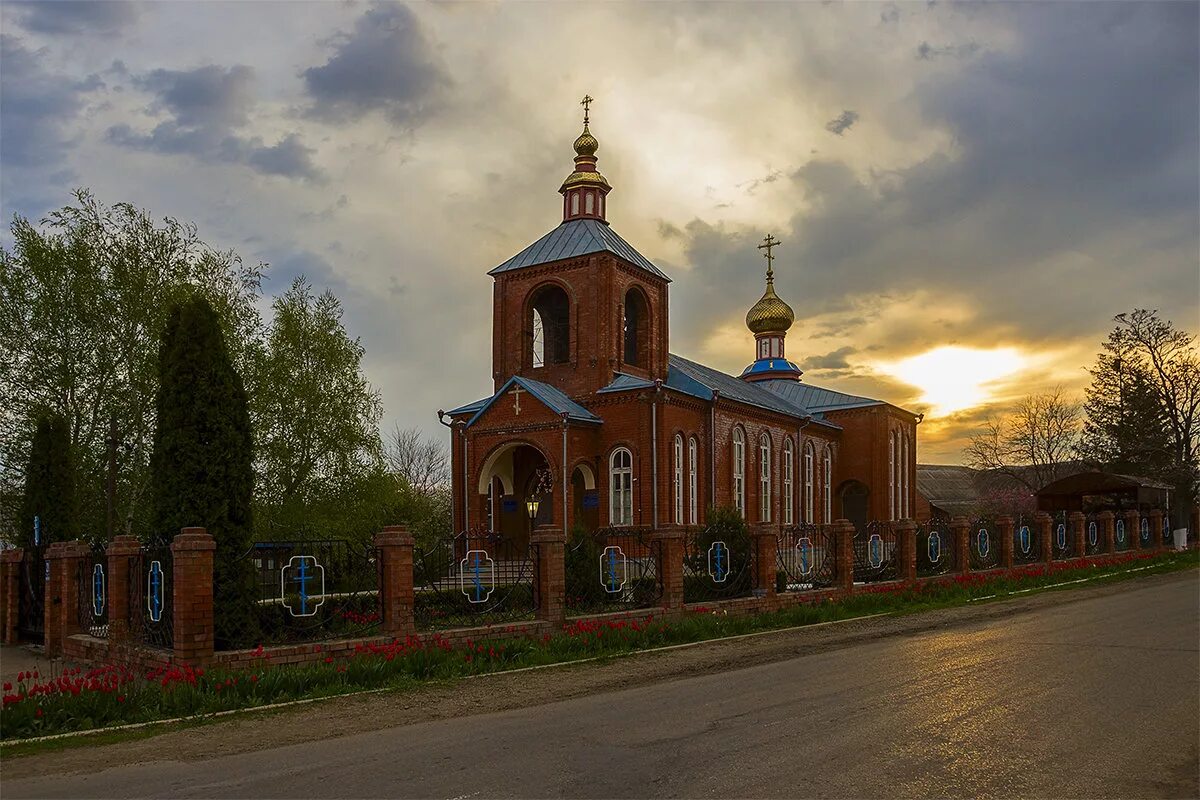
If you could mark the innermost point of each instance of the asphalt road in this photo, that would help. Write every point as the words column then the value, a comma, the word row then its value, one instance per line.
column 1097, row 698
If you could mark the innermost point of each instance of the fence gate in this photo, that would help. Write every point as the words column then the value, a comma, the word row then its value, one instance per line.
column 31, row 615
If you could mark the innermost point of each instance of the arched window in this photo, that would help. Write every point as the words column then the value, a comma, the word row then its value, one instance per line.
column 789, row 484
column 891, row 476
column 620, row 481
column 764, row 478
column 574, row 203
column 808, row 482
column 826, row 487
column 550, row 329
column 904, row 474
column 739, row 471
column 590, row 203
column 678, row 479
column 693, row 508
column 636, row 327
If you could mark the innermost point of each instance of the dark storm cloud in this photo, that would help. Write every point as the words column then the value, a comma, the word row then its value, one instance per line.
column 75, row 16
column 386, row 64
column 842, row 122
column 207, row 107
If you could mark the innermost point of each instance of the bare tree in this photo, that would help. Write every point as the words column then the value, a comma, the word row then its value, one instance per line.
column 419, row 461
column 1032, row 443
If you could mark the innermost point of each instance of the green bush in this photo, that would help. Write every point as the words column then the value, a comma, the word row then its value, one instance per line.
column 49, row 484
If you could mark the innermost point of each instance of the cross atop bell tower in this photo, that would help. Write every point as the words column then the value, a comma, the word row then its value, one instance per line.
column 584, row 191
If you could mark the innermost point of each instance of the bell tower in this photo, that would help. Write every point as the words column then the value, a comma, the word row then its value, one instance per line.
column 769, row 320
column 584, row 191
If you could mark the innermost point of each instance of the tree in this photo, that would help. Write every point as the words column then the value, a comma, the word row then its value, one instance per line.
column 1032, row 443
column 203, row 457
column 320, row 458
column 83, row 304
column 49, row 485
column 422, row 470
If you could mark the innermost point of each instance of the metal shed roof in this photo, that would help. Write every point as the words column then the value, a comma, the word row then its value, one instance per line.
column 578, row 237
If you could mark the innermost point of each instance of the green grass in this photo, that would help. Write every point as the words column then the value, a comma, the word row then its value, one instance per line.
column 114, row 695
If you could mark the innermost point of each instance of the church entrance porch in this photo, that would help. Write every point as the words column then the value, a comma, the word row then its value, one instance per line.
column 516, row 487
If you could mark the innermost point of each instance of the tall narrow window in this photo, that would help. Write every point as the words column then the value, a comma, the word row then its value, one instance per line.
column 620, row 475
column 808, row 482
column 764, row 478
column 789, row 485
column 549, row 326
column 678, row 479
column 739, row 471
column 590, row 203
column 575, row 203
column 693, row 501
column 904, row 481
column 636, row 328
column 826, row 486
column 891, row 476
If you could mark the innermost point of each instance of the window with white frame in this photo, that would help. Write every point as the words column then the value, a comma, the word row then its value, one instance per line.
column 678, row 479
column 808, row 481
column 789, row 484
column 739, row 471
column 693, row 458
column 620, row 476
column 764, row 477
column 904, row 477
column 826, row 487
column 891, row 476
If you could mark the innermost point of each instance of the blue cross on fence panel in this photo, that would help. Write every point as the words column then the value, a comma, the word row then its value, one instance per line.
column 934, row 547
column 1093, row 534
column 37, row 531
column 805, row 548
column 477, row 576
column 983, row 542
column 614, row 569
column 1060, row 536
column 1024, row 539
column 875, row 551
column 1145, row 530
column 154, row 591
column 1121, row 531
column 302, row 586
column 718, row 561
column 98, row 590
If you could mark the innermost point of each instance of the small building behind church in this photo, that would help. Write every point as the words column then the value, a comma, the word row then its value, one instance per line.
column 594, row 422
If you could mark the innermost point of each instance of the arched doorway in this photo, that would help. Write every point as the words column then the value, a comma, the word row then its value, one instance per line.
column 855, row 497
column 585, row 500
column 510, row 477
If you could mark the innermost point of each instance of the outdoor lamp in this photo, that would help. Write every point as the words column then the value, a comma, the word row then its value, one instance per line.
column 531, row 505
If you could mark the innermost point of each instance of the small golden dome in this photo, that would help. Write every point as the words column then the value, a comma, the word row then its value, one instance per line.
column 586, row 144
column 770, row 314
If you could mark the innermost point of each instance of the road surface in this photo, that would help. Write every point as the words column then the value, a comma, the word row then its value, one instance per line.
column 1095, row 698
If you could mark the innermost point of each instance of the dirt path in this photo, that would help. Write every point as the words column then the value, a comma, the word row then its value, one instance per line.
column 348, row 715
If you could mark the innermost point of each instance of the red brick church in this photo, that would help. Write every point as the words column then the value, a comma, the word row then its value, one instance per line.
column 596, row 423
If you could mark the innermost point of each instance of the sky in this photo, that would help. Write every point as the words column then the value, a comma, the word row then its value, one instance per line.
column 966, row 193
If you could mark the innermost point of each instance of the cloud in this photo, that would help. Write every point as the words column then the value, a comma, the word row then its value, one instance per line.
column 835, row 360
column 386, row 64
column 72, row 17
column 842, row 122
column 207, row 107
column 927, row 52
column 36, row 107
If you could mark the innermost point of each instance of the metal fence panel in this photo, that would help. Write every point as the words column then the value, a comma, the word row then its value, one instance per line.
column 477, row 577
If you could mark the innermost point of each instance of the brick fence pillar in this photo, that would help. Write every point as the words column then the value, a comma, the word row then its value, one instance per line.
column 10, row 593
column 843, row 532
column 1133, row 529
column 1107, row 531
column 668, row 547
column 550, row 543
column 1006, row 533
column 118, row 553
column 192, row 554
column 906, row 547
column 395, row 547
column 64, row 565
column 960, row 528
column 1077, row 525
column 1045, row 529
column 765, row 542
column 52, row 599
column 1156, row 523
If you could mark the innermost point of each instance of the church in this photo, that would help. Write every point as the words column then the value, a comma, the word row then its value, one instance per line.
column 595, row 423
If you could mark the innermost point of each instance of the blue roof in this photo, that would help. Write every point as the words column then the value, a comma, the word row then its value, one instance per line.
column 469, row 408
column 814, row 398
column 577, row 238
column 624, row 383
column 771, row 365
column 701, row 381
column 550, row 397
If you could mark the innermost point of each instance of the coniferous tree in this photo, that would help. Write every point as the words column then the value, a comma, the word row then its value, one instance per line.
column 49, row 484
column 203, row 461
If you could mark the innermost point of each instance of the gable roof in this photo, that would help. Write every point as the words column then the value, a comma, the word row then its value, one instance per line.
column 550, row 397
column 952, row 489
column 624, row 383
column 578, row 237
column 814, row 398
column 701, row 381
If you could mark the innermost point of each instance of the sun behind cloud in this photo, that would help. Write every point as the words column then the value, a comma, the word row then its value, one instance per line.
column 953, row 378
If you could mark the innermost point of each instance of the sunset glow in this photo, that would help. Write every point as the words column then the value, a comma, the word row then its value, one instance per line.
column 954, row 378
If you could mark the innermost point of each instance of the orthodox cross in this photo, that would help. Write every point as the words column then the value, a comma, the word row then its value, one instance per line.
column 585, row 102
column 516, row 393
column 768, row 243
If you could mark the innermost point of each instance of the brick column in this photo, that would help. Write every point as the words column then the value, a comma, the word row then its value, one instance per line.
column 1133, row 529
column 395, row 548
column 53, row 598
column 10, row 597
column 1107, row 531
column 192, row 596
column 906, row 545
column 763, row 540
column 66, row 564
column 1077, row 530
column 1156, row 537
column 1045, row 529
column 960, row 528
column 550, row 543
column 119, row 551
column 1005, row 532
column 668, row 545
column 843, row 532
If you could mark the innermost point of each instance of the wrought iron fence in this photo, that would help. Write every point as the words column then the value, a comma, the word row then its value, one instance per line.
column 1064, row 537
column 1121, row 534
column 936, row 547
column 1167, row 537
column 1145, row 535
column 806, row 558
column 717, row 564
column 612, row 568
column 1027, row 544
column 876, row 554
column 92, row 583
column 984, row 550
column 151, row 605
column 1093, row 535
column 307, row 590
column 31, row 603
column 477, row 577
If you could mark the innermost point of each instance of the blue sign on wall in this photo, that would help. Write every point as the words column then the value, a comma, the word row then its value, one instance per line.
column 508, row 506
column 591, row 499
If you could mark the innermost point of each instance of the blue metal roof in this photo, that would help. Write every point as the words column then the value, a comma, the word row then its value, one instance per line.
column 577, row 238
column 814, row 398
column 624, row 383
column 550, row 397
column 701, row 381
column 771, row 365
column 469, row 408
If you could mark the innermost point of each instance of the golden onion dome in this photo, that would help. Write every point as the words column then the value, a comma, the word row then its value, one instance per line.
column 770, row 314
column 586, row 144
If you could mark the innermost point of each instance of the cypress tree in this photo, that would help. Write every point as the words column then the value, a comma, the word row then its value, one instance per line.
column 49, row 484
column 203, row 460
